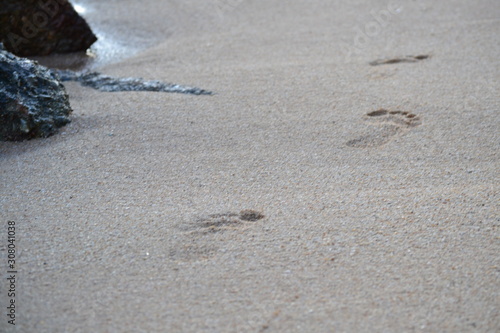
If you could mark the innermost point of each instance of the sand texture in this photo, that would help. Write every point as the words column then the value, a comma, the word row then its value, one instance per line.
column 343, row 177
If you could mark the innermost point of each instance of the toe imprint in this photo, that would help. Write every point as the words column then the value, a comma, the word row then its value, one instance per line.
column 399, row 60
column 385, row 125
column 397, row 117
column 225, row 221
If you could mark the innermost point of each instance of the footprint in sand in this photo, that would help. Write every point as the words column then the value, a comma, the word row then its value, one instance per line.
column 385, row 125
column 226, row 221
column 399, row 60
column 202, row 235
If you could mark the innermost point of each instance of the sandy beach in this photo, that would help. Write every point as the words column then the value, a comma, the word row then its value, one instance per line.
column 379, row 183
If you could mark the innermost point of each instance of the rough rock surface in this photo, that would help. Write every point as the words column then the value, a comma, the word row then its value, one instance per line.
column 33, row 102
column 41, row 27
column 111, row 84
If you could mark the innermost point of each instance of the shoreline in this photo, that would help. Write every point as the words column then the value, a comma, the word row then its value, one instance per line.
column 311, row 193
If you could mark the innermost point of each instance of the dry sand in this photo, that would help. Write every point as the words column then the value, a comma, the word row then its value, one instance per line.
column 127, row 220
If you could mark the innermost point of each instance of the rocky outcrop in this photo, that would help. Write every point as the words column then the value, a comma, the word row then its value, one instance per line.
column 41, row 27
column 107, row 83
column 33, row 102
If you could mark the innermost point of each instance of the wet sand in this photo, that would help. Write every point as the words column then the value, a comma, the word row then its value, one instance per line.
column 378, row 182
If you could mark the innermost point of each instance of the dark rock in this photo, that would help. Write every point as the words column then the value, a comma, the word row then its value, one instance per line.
column 111, row 84
column 33, row 103
column 42, row 27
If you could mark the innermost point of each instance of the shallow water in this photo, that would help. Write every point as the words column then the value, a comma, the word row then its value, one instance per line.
column 124, row 28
